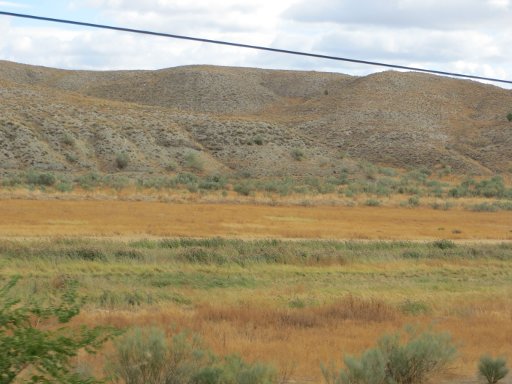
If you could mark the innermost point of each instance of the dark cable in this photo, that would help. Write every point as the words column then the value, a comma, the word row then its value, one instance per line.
column 261, row 48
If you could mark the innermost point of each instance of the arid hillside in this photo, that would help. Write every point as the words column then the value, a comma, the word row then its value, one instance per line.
column 259, row 122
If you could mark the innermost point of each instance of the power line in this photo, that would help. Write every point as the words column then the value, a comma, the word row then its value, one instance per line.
column 257, row 47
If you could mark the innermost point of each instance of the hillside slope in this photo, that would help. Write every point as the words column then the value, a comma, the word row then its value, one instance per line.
column 248, row 120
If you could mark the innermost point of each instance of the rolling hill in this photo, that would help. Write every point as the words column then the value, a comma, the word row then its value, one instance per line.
column 260, row 122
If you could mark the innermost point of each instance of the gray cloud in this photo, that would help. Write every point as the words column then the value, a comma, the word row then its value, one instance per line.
column 413, row 45
column 429, row 14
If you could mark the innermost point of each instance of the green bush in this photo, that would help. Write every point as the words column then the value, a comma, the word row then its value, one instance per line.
column 394, row 362
column 493, row 370
column 258, row 140
column 372, row 203
column 43, row 355
column 42, row 179
column 244, row 189
column 171, row 166
column 143, row 356
column 413, row 201
column 297, row 154
column 509, row 116
column 193, row 162
column 68, row 139
column 122, row 160
column 89, row 180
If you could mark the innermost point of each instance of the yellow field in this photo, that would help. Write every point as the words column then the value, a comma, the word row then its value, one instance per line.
column 28, row 218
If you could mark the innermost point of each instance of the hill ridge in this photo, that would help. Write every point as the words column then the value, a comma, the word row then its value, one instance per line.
column 249, row 120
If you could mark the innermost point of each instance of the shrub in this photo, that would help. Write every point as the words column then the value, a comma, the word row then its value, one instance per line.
column 493, row 370
column 244, row 189
column 171, row 166
column 28, row 348
column 372, row 203
column 64, row 186
column 89, row 180
column 143, row 356
column 43, row 179
column 509, row 116
column 121, row 160
column 391, row 361
column 444, row 244
column 193, row 161
column 411, row 307
column 68, row 139
column 413, row 201
column 258, row 140
column 297, row 154
column 443, row 206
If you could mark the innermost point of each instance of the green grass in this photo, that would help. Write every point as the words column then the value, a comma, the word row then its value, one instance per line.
column 416, row 277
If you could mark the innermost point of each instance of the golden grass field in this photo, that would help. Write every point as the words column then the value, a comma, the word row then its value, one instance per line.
column 292, row 313
column 27, row 218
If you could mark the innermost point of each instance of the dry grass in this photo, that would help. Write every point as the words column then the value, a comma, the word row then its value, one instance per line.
column 307, row 339
column 26, row 218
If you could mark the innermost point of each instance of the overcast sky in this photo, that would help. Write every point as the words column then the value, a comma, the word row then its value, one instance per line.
column 471, row 36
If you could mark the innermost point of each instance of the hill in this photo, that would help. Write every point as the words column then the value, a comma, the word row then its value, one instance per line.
column 255, row 121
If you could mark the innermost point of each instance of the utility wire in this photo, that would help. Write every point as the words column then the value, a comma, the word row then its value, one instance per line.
column 257, row 47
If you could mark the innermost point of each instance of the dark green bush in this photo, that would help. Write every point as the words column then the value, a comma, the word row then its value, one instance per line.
column 122, row 160
column 493, row 370
column 43, row 355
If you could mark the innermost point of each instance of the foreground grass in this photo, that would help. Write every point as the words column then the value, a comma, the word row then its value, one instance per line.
column 292, row 303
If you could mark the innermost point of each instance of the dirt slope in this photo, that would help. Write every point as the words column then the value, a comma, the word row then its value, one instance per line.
column 251, row 120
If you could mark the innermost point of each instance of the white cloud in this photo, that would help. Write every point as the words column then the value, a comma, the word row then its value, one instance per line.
column 11, row 4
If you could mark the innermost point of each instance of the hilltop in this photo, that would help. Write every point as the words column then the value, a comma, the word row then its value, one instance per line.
column 253, row 121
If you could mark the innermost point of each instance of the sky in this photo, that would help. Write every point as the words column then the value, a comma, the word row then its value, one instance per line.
column 469, row 36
